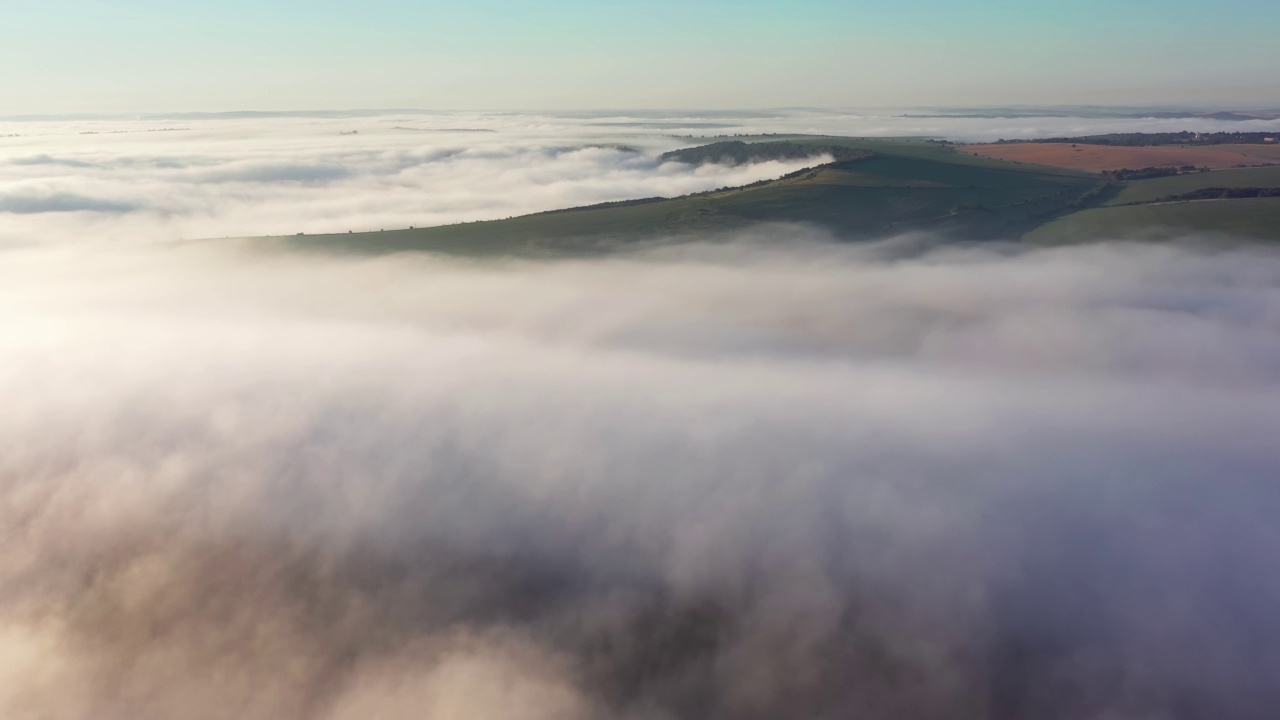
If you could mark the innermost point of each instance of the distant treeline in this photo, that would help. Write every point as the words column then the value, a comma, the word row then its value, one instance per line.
column 735, row 152
column 601, row 206
column 808, row 173
column 1215, row 194
column 1149, row 139
column 1149, row 172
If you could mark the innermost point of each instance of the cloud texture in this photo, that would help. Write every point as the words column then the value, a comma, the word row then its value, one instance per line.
column 713, row 482
column 251, row 177
column 198, row 176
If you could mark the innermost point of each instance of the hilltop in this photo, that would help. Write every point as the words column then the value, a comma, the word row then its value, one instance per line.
column 865, row 189
column 872, row 188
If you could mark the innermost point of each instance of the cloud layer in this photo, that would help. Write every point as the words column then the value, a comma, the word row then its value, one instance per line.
column 284, row 175
column 720, row 481
column 184, row 177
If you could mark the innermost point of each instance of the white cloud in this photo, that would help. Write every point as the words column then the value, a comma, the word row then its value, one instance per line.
column 128, row 180
column 755, row 479
column 236, row 177
column 715, row 481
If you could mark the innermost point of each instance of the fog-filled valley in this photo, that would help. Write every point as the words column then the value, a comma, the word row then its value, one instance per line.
column 761, row 473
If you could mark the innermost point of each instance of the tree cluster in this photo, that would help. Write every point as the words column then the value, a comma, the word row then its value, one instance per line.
column 1152, row 139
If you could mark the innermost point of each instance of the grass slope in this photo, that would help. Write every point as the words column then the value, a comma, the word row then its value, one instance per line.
column 907, row 184
column 922, row 148
column 1140, row 191
column 1256, row 218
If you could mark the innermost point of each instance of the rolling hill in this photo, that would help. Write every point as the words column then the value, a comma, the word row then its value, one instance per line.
column 1244, row 203
column 1157, row 189
column 1250, row 219
column 875, row 188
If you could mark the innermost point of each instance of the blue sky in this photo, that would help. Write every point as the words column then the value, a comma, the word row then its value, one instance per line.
column 137, row 55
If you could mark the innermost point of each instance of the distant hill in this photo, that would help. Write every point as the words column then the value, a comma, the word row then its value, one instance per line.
column 883, row 187
column 875, row 188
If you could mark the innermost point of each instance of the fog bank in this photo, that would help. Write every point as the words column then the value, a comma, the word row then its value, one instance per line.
column 722, row 481
column 162, row 178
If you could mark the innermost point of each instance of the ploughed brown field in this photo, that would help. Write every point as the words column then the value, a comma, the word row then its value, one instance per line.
column 1096, row 158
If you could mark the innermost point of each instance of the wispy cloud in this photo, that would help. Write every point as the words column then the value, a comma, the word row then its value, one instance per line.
column 285, row 175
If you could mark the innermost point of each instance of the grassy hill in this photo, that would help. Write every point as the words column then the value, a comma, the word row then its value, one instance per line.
column 1249, row 219
column 1165, row 208
column 1154, row 189
column 889, row 186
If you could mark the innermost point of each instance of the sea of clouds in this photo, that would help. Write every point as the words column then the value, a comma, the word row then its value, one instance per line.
column 766, row 475
column 731, row 480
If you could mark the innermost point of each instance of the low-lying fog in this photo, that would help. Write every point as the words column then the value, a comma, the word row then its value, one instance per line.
column 765, row 476
column 161, row 178
column 773, row 478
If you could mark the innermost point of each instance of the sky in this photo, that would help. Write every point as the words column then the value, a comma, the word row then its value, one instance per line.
column 91, row 56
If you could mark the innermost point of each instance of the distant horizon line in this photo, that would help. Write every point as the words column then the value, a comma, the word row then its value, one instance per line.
column 1020, row 108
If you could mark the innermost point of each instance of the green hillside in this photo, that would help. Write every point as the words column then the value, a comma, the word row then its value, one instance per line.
column 1154, row 189
column 893, row 186
column 1256, row 219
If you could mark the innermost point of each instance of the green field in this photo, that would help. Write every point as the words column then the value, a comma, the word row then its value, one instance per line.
column 1142, row 191
column 901, row 185
column 1250, row 219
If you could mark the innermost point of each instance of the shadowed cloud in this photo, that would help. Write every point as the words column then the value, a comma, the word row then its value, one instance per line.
column 61, row 203
column 720, row 481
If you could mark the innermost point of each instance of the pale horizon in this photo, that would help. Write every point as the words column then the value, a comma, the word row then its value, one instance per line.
column 76, row 56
